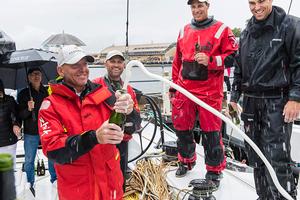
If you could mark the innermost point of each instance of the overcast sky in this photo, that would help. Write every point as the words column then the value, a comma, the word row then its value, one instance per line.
column 101, row 23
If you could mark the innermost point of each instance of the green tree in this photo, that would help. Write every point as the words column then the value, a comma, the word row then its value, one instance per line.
column 237, row 32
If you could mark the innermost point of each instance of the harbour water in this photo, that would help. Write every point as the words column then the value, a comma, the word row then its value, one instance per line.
column 138, row 79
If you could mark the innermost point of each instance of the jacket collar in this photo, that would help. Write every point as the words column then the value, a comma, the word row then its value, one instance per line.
column 257, row 28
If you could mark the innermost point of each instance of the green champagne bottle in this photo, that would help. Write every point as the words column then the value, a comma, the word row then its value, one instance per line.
column 43, row 170
column 234, row 115
column 118, row 118
column 7, row 178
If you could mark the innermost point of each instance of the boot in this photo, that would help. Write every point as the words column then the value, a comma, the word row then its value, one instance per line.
column 181, row 171
column 214, row 176
column 183, row 168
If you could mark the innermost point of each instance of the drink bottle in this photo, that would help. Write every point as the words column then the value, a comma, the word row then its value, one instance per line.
column 118, row 118
column 42, row 170
column 197, row 48
column 7, row 178
column 233, row 114
column 38, row 168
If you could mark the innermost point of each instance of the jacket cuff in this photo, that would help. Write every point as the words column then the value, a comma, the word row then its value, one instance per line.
column 294, row 94
column 133, row 121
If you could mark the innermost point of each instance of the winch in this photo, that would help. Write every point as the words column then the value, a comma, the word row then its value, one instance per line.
column 171, row 151
column 202, row 189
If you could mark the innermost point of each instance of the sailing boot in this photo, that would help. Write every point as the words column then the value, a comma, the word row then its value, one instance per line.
column 183, row 168
column 214, row 176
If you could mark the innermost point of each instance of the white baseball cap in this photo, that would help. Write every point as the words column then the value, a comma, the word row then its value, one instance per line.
column 71, row 54
column 202, row 1
column 114, row 53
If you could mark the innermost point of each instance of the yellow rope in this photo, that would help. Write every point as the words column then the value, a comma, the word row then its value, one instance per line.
column 149, row 174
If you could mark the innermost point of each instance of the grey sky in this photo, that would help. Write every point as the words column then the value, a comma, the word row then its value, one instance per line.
column 101, row 23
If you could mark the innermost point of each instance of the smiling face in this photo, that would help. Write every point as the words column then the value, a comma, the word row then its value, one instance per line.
column 75, row 75
column 115, row 67
column 260, row 9
column 199, row 10
column 35, row 78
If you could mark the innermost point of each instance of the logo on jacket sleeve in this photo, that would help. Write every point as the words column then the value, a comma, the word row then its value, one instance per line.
column 233, row 41
column 44, row 125
column 45, row 105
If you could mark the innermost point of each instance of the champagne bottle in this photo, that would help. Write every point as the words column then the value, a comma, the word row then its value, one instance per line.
column 197, row 48
column 7, row 178
column 38, row 168
column 42, row 168
column 233, row 114
column 118, row 118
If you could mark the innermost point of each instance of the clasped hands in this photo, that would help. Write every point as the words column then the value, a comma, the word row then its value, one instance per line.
column 112, row 133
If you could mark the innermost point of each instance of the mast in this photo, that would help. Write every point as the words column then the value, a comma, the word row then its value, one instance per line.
column 291, row 2
column 127, row 25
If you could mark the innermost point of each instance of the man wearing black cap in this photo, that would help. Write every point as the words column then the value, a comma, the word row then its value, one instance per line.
column 27, row 108
column 205, row 47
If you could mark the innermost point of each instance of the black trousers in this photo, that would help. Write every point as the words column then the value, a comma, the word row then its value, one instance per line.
column 264, row 124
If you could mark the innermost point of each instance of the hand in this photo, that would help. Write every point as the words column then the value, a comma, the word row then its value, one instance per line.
column 291, row 111
column 17, row 130
column 236, row 107
column 109, row 134
column 124, row 103
column 30, row 105
column 202, row 58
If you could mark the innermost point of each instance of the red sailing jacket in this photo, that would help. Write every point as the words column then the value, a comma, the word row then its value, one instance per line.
column 95, row 174
column 218, row 42
column 130, row 91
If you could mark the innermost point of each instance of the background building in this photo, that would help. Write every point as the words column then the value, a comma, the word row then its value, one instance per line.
column 146, row 53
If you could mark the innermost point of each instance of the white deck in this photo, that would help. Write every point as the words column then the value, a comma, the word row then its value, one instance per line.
column 234, row 185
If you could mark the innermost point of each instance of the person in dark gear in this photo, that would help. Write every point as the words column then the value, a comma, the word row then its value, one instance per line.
column 9, row 124
column 267, row 73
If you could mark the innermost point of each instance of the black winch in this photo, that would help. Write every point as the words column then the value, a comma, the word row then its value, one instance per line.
column 171, row 151
column 202, row 189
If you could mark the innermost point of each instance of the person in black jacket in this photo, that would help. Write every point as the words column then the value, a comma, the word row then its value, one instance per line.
column 267, row 73
column 28, row 112
column 9, row 124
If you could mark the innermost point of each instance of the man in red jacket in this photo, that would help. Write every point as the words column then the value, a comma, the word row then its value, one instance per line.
column 205, row 47
column 75, row 133
column 115, row 65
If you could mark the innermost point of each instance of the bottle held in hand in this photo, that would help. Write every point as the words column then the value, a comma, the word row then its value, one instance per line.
column 118, row 118
column 234, row 115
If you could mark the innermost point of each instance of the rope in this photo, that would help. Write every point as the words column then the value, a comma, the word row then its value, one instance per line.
column 151, row 187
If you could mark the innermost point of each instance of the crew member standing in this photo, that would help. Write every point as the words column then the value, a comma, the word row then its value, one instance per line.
column 205, row 47
column 267, row 73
